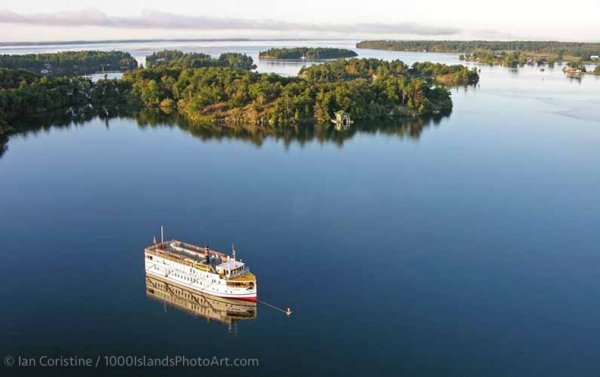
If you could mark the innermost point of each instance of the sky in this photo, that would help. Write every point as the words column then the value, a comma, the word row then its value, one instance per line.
column 67, row 20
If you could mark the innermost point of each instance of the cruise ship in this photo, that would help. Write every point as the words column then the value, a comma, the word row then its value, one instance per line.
column 201, row 269
column 212, row 308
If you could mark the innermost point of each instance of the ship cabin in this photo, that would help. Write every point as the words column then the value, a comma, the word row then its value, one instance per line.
column 237, row 274
column 231, row 268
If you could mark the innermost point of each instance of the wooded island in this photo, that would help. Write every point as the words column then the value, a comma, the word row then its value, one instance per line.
column 507, row 53
column 307, row 53
column 178, row 59
column 225, row 91
column 70, row 63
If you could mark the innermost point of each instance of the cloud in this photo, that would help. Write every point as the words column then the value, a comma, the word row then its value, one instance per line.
column 152, row 19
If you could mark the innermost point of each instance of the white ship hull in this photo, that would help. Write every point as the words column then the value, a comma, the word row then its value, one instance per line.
column 196, row 279
column 208, row 306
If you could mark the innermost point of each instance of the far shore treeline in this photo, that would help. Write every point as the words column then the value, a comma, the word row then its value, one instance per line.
column 71, row 63
column 561, row 49
column 506, row 53
column 225, row 91
column 316, row 53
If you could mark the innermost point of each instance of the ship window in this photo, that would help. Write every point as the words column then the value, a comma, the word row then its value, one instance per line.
column 149, row 257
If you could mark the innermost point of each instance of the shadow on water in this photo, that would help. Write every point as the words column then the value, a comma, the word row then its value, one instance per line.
column 64, row 118
column 3, row 145
column 403, row 128
column 301, row 134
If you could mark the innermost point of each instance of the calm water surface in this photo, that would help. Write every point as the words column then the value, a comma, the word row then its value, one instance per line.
column 467, row 247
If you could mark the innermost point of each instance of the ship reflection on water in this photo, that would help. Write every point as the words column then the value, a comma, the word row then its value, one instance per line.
column 223, row 310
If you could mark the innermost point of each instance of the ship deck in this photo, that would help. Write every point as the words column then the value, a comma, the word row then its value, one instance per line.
column 248, row 276
column 186, row 250
column 195, row 255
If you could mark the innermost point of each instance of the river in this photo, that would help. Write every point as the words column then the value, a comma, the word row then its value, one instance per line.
column 464, row 245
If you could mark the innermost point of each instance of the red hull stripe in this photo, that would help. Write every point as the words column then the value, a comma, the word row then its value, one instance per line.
column 252, row 299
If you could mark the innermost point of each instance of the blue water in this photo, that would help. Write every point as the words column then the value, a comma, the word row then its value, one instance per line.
column 469, row 249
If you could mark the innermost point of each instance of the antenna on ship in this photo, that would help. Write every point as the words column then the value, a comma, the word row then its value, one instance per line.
column 233, row 250
column 162, row 236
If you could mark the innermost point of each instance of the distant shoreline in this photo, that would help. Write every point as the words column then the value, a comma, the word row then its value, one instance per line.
column 84, row 42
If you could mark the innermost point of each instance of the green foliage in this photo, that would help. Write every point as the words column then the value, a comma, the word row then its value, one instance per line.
column 23, row 93
column 307, row 53
column 14, row 78
column 41, row 95
column 227, row 93
column 597, row 70
column 167, row 102
column 368, row 69
column 361, row 87
column 451, row 75
column 164, row 57
column 511, row 59
column 577, row 64
column 576, row 49
column 352, row 69
column 237, row 60
column 180, row 60
column 113, row 93
column 70, row 63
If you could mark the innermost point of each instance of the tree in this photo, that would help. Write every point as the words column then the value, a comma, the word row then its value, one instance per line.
column 151, row 93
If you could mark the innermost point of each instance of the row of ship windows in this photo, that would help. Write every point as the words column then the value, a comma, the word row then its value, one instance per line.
column 191, row 270
column 189, row 279
column 185, row 277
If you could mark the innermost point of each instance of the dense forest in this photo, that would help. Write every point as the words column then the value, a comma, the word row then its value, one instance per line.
column 24, row 93
column 179, row 59
column 361, row 87
column 13, row 78
column 558, row 50
column 306, row 53
column 451, row 75
column 225, row 90
column 70, row 63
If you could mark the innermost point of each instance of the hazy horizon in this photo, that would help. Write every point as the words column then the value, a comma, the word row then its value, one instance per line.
column 91, row 20
column 247, row 39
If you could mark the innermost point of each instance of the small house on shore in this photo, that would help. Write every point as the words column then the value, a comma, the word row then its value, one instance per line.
column 342, row 119
column 572, row 70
